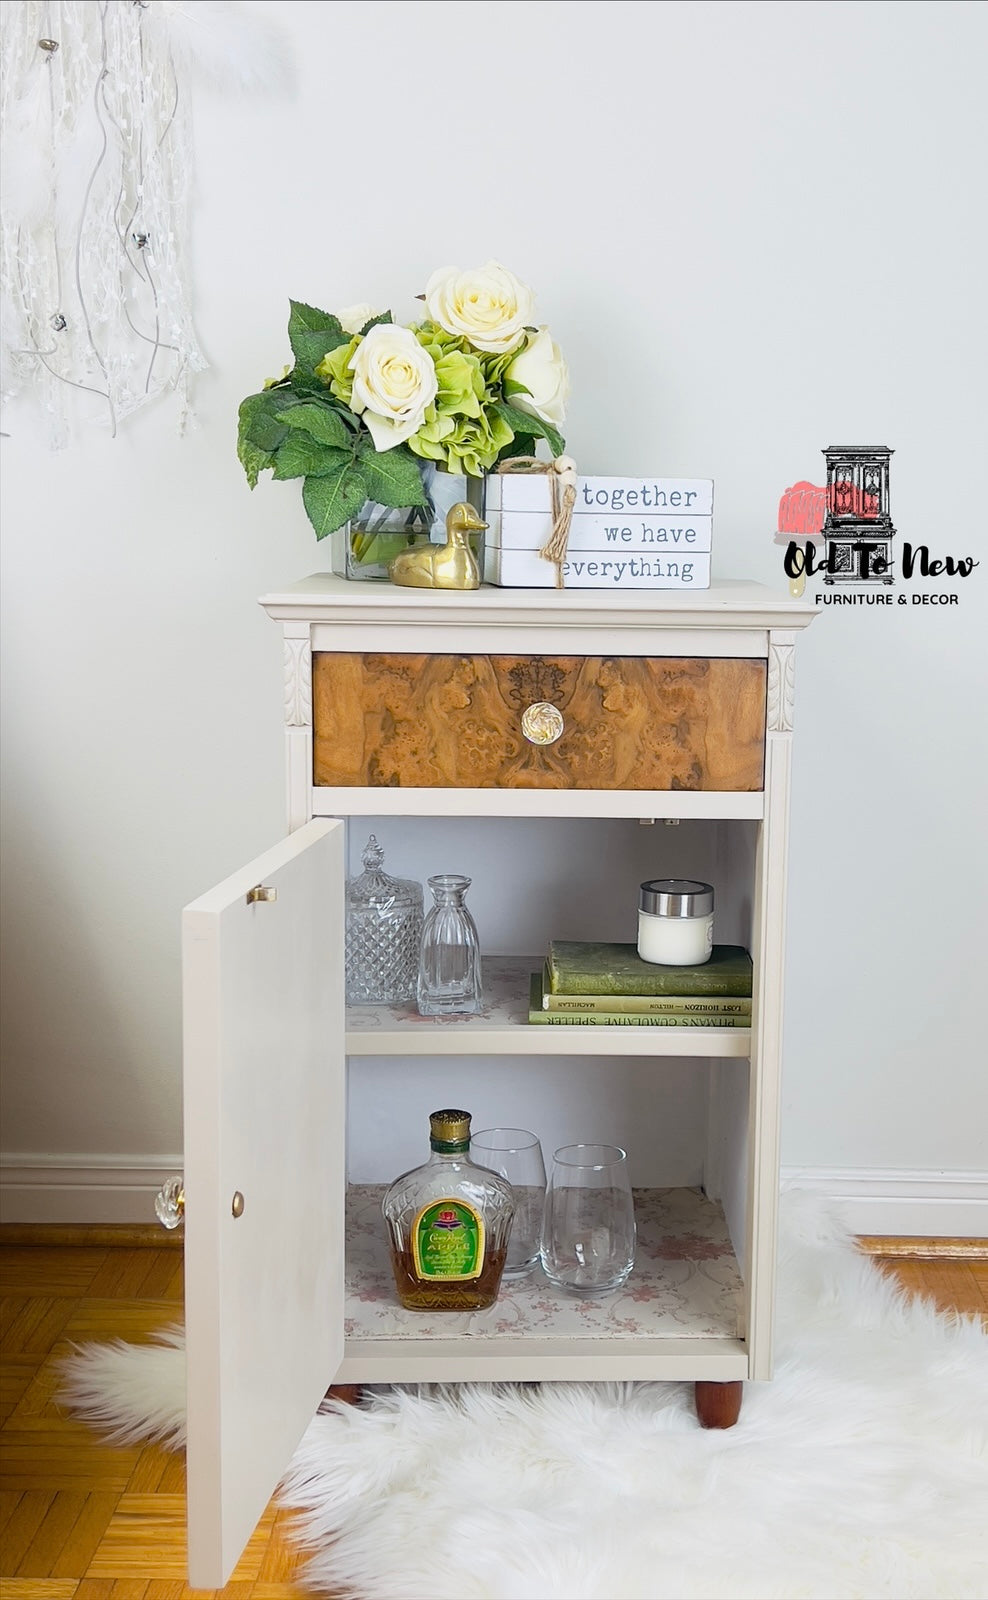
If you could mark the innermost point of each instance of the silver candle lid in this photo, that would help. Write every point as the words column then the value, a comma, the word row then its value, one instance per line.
column 676, row 897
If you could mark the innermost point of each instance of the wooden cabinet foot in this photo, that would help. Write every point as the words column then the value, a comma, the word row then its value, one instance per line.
column 348, row 1393
column 718, row 1405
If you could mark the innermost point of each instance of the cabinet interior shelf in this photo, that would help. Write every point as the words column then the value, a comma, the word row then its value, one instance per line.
column 503, row 1028
column 685, row 1292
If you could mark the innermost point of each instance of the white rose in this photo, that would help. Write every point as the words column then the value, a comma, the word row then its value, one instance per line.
column 394, row 380
column 352, row 318
column 487, row 305
column 541, row 368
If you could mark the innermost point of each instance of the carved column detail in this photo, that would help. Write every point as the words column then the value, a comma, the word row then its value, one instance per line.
column 781, row 682
column 298, row 681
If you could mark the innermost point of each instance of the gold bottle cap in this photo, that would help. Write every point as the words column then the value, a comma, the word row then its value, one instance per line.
column 450, row 1127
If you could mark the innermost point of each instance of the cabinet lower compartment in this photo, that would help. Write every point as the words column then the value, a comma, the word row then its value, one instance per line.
column 679, row 1316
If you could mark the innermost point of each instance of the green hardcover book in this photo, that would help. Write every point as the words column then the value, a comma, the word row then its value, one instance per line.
column 575, row 967
column 626, row 1019
column 656, row 1004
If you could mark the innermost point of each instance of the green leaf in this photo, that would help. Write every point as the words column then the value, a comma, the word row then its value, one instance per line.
column 521, row 445
column 260, row 418
column 312, row 333
column 253, row 460
column 323, row 422
column 301, row 456
column 305, row 383
column 309, row 319
column 512, row 386
column 260, row 430
column 333, row 499
column 310, row 348
column 553, row 438
column 393, row 477
column 372, row 322
column 522, row 422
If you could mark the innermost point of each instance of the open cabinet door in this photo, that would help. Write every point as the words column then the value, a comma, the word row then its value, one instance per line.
column 263, row 989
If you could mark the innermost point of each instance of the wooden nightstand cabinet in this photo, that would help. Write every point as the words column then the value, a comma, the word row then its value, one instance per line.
column 414, row 705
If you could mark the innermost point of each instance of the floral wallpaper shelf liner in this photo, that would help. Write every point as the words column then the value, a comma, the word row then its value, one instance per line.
column 685, row 1283
column 505, row 1005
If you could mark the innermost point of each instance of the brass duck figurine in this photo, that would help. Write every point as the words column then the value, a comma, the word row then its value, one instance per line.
column 452, row 565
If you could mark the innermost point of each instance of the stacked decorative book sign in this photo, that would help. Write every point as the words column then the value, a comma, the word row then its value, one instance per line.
column 603, row 985
column 625, row 533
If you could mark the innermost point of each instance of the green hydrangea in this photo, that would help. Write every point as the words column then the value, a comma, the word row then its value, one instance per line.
column 495, row 364
column 462, row 444
column 458, row 370
column 461, row 432
column 461, row 385
column 438, row 342
column 334, row 371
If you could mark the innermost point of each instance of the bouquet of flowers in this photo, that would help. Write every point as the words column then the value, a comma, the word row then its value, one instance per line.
column 368, row 402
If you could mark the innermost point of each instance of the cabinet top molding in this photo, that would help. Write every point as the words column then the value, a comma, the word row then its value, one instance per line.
column 729, row 604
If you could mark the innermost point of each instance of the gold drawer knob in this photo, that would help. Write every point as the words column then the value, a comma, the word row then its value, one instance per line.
column 542, row 723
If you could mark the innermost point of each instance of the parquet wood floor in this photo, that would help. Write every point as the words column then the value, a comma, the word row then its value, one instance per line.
column 82, row 1521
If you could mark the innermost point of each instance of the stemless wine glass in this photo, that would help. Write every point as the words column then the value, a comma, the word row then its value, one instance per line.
column 517, row 1155
column 588, row 1226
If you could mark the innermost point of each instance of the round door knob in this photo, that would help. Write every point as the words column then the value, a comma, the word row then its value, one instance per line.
column 169, row 1202
column 542, row 723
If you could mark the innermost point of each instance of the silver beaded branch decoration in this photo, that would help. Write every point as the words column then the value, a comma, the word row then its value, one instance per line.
column 94, row 268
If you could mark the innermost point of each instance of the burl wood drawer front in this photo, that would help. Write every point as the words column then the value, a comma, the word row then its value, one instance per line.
column 428, row 721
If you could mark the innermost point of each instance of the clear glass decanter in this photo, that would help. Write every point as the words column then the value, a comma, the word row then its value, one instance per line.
column 383, row 934
column 448, row 1224
column 449, row 979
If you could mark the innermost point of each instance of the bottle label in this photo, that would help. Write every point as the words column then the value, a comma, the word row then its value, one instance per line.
column 448, row 1241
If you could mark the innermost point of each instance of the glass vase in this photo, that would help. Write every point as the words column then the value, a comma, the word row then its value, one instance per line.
column 449, row 969
column 383, row 933
column 365, row 546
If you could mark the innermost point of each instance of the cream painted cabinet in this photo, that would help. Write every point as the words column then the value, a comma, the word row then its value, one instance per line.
column 405, row 704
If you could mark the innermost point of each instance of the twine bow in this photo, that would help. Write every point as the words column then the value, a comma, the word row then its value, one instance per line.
column 562, row 488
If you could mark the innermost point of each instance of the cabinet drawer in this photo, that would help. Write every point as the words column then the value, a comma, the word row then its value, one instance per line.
column 456, row 721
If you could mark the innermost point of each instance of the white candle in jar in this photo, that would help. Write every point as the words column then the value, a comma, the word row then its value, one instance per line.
column 675, row 922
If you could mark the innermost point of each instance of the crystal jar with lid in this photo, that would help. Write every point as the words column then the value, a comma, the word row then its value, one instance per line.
column 383, row 933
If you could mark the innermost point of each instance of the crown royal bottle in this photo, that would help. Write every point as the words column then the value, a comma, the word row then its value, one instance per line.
column 449, row 1222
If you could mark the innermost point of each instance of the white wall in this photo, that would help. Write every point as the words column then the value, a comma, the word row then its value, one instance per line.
column 757, row 230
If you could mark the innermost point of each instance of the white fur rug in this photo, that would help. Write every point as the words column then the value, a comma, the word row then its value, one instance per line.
column 861, row 1470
